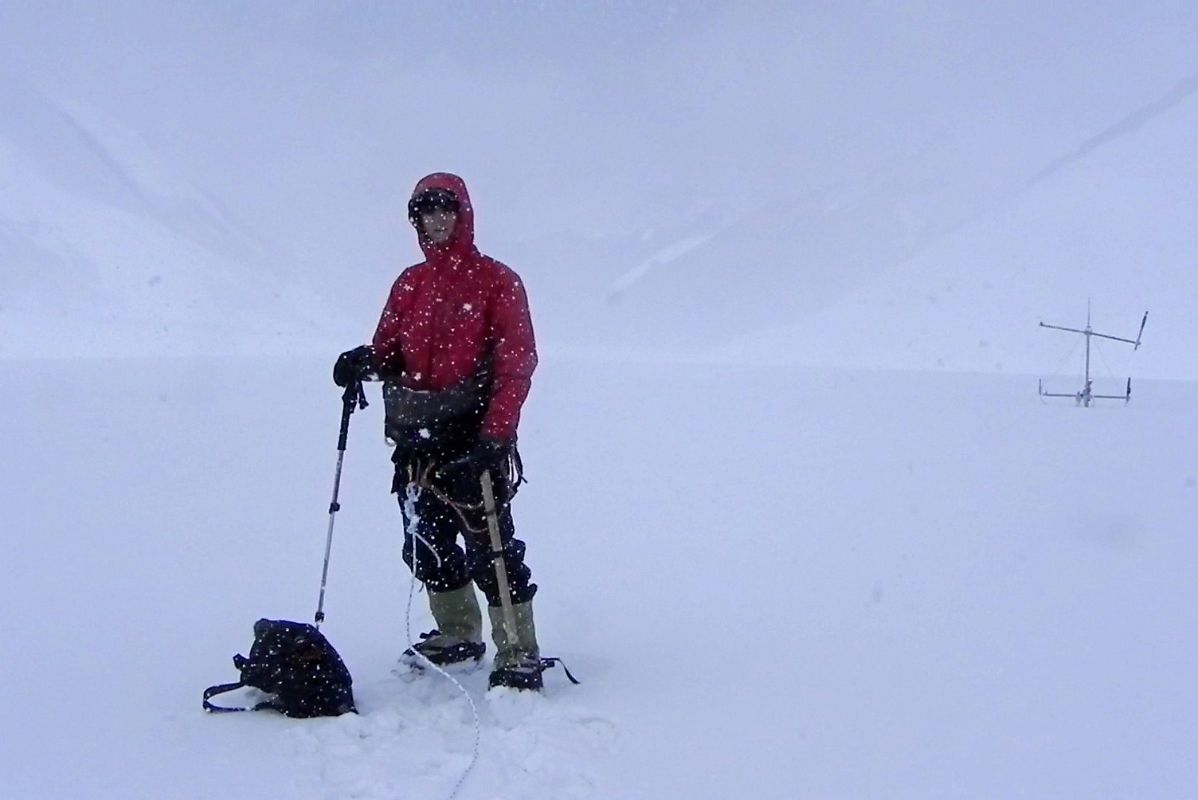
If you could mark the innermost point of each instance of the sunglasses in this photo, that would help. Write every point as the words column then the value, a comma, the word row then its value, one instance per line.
column 432, row 200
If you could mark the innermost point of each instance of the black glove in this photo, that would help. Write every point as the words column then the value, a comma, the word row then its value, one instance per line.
column 354, row 365
column 487, row 454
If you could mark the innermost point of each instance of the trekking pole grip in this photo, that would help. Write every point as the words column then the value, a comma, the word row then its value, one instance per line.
column 352, row 398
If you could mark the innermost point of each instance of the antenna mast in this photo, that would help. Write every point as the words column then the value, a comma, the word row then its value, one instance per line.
column 1086, row 395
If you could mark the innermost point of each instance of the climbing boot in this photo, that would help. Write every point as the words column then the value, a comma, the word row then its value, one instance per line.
column 457, row 638
column 517, row 659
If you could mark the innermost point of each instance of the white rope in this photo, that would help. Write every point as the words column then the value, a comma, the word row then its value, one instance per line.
column 412, row 522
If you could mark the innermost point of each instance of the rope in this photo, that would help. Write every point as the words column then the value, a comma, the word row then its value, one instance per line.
column 1061, row 366
column 1102, row 355
column 421, row 475
column 1069, row 355
column 412, row 522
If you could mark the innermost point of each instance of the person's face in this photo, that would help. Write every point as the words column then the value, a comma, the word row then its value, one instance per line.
column 438, row 224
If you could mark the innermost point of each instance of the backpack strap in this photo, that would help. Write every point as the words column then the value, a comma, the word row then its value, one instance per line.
column 212, row 691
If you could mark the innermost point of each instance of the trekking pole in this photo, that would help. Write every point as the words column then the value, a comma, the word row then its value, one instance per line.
column 354, row 397
column 505, row 591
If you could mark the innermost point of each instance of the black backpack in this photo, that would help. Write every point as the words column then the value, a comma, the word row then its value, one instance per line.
column 293, row 662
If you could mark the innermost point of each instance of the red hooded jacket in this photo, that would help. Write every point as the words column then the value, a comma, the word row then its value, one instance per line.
column 446, row 315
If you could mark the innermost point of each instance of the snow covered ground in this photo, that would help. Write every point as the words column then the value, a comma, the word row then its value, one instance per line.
column 773, row 582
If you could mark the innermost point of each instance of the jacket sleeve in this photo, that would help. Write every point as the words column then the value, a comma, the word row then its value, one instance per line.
column 388, row 349
column 514, row 358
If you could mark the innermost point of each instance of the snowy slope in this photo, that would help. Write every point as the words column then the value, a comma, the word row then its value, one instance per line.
column 1108, row 222
column 105, row 251
column 774, row 582
column 661, row 177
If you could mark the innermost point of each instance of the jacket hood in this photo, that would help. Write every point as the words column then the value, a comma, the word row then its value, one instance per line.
column 462, row 243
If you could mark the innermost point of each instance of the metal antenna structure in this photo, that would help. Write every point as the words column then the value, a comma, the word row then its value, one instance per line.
column 1086, row 395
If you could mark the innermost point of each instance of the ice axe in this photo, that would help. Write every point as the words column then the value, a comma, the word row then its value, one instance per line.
column 505, row 590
